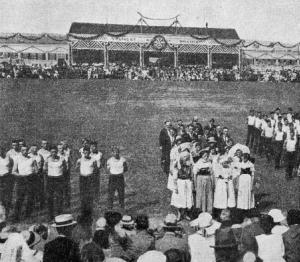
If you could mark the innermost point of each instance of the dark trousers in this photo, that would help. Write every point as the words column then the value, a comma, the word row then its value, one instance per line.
column 39, row 190
column 250, row 136
column 86, row 184
column 25, row 190
column 116, row 183
column 55, row 194
column 96, row 184
column 6, row 190
column 277, row 149
column 268, row 147
column 291, row 160
column 67, row 188
column 257, row 140
column 165, row 161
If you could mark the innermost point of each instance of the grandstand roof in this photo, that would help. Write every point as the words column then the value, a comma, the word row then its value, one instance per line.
column 17, row 38
column 89, row 28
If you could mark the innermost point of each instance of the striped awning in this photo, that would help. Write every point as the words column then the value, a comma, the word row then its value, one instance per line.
column 87, row 44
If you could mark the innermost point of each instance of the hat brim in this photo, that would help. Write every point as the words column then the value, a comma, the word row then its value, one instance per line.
column 73, row 223
column 37, row 239
column 127, row 223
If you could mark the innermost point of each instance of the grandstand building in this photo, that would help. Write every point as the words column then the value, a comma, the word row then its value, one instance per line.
column 142, row 44
column 34, row 49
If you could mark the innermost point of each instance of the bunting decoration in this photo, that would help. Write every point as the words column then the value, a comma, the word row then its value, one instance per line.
column 32, row 38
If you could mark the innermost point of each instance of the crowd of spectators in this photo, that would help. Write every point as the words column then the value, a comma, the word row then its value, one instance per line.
column 269, row 237
column 152, row 72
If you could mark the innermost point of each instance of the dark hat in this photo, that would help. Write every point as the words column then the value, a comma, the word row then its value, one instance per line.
column 225, row 238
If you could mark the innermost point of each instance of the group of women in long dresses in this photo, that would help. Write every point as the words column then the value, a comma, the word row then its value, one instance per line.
column 209, row 179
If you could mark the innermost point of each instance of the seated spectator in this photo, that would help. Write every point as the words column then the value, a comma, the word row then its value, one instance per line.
column 91, row 252
column 279, row 221
column 171, row 238
column 203, row 238
column 151, row 256
column 101, row 233
column 127, row 224
column 291, row 238
column 270, row 246
column 226, row 245
column 175, row 255
column 142, row 241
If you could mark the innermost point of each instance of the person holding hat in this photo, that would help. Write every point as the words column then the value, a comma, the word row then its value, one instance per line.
column 88, row 167
column 62, row 248
column 174, row 155
column 182, row 197
column 204, row 182
column 202, row 238
column 171, row 239
column 245, row 195
column 55, row 167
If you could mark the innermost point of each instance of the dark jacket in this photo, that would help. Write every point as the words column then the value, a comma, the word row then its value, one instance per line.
column 61, row 249
column 291, row 241
column 248, row 241
column 165, row 141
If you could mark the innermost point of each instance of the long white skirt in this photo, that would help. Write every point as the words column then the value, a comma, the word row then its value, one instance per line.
column 224, row 196
column 184, row 198
column 245, row 198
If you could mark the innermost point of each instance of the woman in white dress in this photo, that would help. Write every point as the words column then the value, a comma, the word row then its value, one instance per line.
column 182, row 197
column 224, row 196
column 174, row 156
column 204, row 182
column 245, row 195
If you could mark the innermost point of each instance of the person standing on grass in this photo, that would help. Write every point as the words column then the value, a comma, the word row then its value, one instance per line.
column 116, row 167
column 24, row 169
column 97, row 156
column 290, row 147
column 267, row 133
column 6, row 179
column 67, row 187
column 14, row 152
column 39, row 181
column 55, row 167
column 251, row 129
column 88, row 167
column 44, row 150
column 165, row 144
column 279, row 137
column 257, row 125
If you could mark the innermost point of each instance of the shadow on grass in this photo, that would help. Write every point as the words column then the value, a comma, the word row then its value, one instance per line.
column 140, row 206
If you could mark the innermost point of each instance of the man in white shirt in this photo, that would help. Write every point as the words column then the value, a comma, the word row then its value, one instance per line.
column 279, row 137
column 97, row 156
column 257, row 139
column 44, row 152
column 116, row 166
column 267, row 133
column 14, row 152
column 290, row 147
column 251, row 128
column 87, row 166
column 24, row 170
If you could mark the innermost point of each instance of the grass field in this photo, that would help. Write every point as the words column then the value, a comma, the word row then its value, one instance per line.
column 130, row 115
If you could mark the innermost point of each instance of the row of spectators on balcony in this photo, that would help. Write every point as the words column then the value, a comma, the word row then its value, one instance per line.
column 162, row 73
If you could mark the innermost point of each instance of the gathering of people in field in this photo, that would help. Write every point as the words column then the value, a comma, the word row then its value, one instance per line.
column 150, row 72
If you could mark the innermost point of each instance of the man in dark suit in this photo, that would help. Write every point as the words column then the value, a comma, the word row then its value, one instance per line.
column 165, row 144
column 212, row 127
column 62, row 248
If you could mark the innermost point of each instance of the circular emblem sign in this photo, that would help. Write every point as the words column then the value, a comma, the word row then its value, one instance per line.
column 159, row 42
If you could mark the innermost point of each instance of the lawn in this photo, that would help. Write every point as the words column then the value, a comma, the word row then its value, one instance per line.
column 130, row 114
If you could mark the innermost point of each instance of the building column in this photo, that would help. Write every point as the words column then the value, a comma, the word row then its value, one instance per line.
column 106, row 57
column 141, row 56
column 298, row 62
column 70, row 60
column 240, row 58
column 176, row 57
column 208, row 57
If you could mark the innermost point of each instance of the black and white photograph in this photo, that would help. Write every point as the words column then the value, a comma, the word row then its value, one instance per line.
column 149, row 131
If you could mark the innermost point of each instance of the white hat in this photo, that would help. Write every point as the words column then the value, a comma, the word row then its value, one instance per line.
column 204, row 220
column 114, row 259
column 277, row 215
column 101, row 223
column 64, row 220
column 249, row 257
column 127, row 220
column 151, row 256
column 170, row 220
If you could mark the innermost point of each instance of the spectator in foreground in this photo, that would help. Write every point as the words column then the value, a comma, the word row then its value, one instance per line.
column 291, row 238
column 63, row 248
column 152, row 256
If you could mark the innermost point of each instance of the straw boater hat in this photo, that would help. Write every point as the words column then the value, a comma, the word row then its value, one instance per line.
column 170, row 221
column 277, row 215
column 64, row 220
column 101, row 223
column 212, row 140
column 127, row 220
